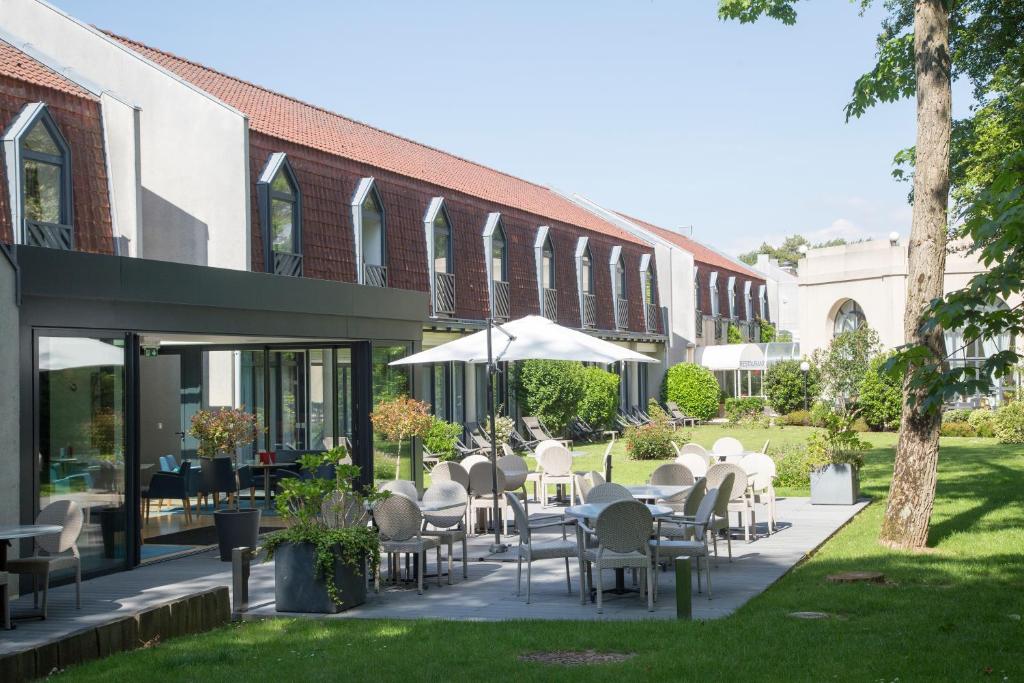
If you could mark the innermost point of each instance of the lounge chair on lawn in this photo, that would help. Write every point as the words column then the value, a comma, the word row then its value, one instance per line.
column 583, row 431
column 681, row 419
column 536, row 429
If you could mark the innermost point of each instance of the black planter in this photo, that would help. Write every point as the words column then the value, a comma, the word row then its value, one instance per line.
column 236, row 529
column 297, row 588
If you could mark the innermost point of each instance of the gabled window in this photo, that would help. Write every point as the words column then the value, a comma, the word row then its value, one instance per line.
column 544, row 254
column 588, row 272
column 696, row 289
column 368, row 222
column 731, row 292
column 618, row 277
column 547, row 267
column 496, row 255
column 585, row 283
column 762, row 296
column 440, row 265
column 713, row 293
column 281, row 216
column 40, row 189
column 648, row 284
column 748, row 301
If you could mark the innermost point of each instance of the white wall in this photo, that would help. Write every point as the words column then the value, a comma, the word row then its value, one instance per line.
column 783, row 295
column 121, row 138
column 194, row 191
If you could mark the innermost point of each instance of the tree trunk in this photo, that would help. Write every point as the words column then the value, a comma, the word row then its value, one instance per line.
column 917, row 454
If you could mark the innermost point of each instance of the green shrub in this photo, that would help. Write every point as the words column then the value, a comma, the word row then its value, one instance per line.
column 957, row 429
column 860, row 425
column 784, row 386
column 650, row 442
column 767, row 332
column 738, row 409
column 733, row 335
column 441, row 437
column 551, row 390
column 798, row 418
column 838, row 443
column 600, row 399
column 694, row 389
column 1010, row 423
column 819, row 413
column 793, row 467
column 984, row 421
column 957, row 415
column 880, row 399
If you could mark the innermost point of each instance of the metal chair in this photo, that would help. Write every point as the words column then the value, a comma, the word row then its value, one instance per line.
column 217, row 476
column 400, row 524
column 623, row 531
column 449, row 523
column 724, row 480
column 727, row 445
column 697, row 528
column 530, row 549
column 672, row 474
column 402, row 487
column 556, row 468
column 52, row 551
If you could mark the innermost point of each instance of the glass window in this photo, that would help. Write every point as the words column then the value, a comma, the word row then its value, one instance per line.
column 44, row 163
column 620, row 280
column 731, row 292
column 749, row 301
column 439, row 398
column 81, row 440
column 548, row 266
column 499, row 255
column 648, row 286
column 588, row 272
column 849, row 317
column 442, row 243
column 283, row 213
column 390, row 381
column 696, row 290
column 373, row 229
column 713, row 293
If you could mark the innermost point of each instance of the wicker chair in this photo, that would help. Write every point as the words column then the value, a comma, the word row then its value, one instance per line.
column 595, row 477
column 516, row 471
column 761, row 470
column 531, row 549
column 697, row 548
column 448, row 524
column 583, row 487
column 450, row 471
column 402, row 487
column 556, row 468
column 608, row 493
column 54, row 551
column 623, row 531
column 725, row 480
column 400, row 524
column 481, row 485
column 696, row 463
column 740, row 499
column 686, row 502
column 672, row 474
column 727, row 445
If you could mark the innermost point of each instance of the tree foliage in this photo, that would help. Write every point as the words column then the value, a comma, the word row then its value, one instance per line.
column 844, row 363
column 788, row 253
column 694, row 389
column 784, row 386
column 551, row 390
column 600, row 399
column 880, row 398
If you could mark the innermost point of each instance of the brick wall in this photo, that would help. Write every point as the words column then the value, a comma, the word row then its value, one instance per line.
column 704, row 271
column 327, row 183
column 79, row 121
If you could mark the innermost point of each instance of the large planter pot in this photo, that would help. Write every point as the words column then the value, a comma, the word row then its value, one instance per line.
column 236, row 529
column 835, row 485
column 297, row 588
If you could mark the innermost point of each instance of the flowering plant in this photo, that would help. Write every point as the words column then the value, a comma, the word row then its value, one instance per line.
column 399, row 419
column 222, row 430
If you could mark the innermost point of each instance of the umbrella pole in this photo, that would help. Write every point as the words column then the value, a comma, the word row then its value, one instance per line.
column 497, row 546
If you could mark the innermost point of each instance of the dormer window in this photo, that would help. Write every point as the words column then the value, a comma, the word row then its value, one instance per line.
column 439, row 257
column 713, row 293
column 545, row 256
column 762, row 296
column 368, row 221
column 281, row 216
column 585, row 284
column 618, row 274
column 42, row 188
column 496, row 254
column 748, row 301
column 731, row 292
column 548, row 265
column 648, row 283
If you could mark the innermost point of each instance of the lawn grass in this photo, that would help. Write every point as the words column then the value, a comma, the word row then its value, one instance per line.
column 947, row 614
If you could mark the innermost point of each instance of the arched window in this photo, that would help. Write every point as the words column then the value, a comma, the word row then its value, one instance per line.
column 849, row 317
column 762, row 295
column 748, row 300
column 619, row 292
column 731, row 292
column 42, row 186
column 281, row 216
column 373, row 235
column 545, row 255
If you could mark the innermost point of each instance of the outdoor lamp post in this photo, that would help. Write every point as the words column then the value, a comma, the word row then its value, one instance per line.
column 805, row 368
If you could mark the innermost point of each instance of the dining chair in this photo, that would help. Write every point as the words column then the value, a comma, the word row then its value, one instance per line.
column 531, row 549
column 690, row 539
column 54, row 552
column 481, row 491
column 727, row 445
column 671, row 474
column 448, row 524
column 697, row 464
column 401, row 487
column 760, row 469
column 725, row 480
column 622, row 531
column 556, row 468
column 400, row 525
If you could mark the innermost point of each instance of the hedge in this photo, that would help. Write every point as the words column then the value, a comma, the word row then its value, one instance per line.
column 600, row 400
column 551, row 390
column 784, row 386
column 880, row 397
column 693, row 388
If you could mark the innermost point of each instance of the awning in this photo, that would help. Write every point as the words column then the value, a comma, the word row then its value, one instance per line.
column 732, row 357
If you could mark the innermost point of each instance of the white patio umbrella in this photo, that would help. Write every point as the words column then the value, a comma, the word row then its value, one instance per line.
column 529, row 338
column 65, row 353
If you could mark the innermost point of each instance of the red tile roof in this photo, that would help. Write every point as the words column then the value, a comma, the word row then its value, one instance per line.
column 289, row 119
column 701, row 253
column 18, row 65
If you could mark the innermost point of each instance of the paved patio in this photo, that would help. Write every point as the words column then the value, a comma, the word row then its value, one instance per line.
column 488, row 594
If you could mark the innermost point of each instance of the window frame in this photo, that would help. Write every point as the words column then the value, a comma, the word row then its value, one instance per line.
column 436, row 209
column 716, row 304
column 277, row 163
column 364, row 189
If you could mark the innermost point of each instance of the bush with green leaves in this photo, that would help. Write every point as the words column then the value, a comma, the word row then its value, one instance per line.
column 600, row 398
column 767, row 332
column 1010, row 423
column 441, row 438
column 845, row 362
column 957, row 415
column 819, row 413
column 880, row 400
column 693, row 388
column 837, row 443
column 741, row 409
column 784, row 386
column 984, row 422
column 733, row 335
column 551, row 390
column 649, row 442
column 957, row 429
column 793, row 467
column 798, row 418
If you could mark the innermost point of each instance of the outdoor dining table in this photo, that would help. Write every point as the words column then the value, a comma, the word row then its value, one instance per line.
column 267, row 467
column 656, row 491
column 11, row 533
column 592, row 510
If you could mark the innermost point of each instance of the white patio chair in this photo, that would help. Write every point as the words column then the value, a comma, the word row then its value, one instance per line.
column 697, row 464
column 401, row 487
column 583, row 487
column 54, row 551
column 609, row 492
column 531, row 549
column 692, row 448
column 556, row 468
column 666, row 544
column 400, row 524
column 481, row 485
column 622, row 530
column 449, row 524
column 685, row 502
column 595, row 477
column 450, row 471
column 671, row 474
column 516, row 472
column 727, row 445
column 733, row 499
column 760, row 469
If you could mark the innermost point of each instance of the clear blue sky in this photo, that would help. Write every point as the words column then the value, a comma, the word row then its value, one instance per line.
column 655, row 108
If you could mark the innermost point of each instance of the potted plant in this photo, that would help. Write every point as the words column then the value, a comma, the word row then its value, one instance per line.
column 836, row 456
column 321, row 557
column 399, row 419
column 220, row 432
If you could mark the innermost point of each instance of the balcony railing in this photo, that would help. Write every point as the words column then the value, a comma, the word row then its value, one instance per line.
column 286, row 263
column 651, row 317
column 444, row 293
column 374, row 275
column 721, row 331
column 50, row 235
column 551, row 304
column 621, row 313
column 501, row 308
column 698, row 324
column 589, row 310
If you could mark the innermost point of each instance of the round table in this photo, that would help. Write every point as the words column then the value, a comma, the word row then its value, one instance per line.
column 8, row 534
column 656, row 491
column 267, row 467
